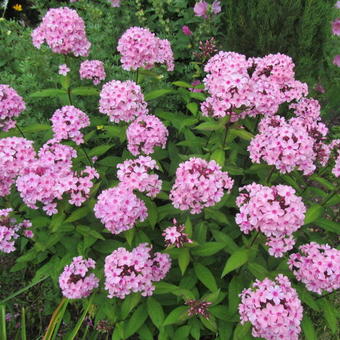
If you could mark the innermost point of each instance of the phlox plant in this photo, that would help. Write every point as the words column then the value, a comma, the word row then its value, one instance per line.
column 212, row 218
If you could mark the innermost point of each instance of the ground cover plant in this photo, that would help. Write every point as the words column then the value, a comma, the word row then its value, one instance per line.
column 155, row 184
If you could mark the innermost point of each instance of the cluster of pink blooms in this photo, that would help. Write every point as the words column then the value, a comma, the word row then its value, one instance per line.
column 198, row 307
column 9, row 230
column 201, row 8
column 63, row 70
column 199, row 184
column 16, row 154
column 135, row 174
column 186, row 30
column 256, row 85
column 175, row 235
column 127, row 272
column 318, row 267
column 141, row 48
column 122, row 101
column 336, row 145
column 273, row 308
column 75, row 281
column 275, row 211
column 64, row 32
column 119, row 209
column 206, row 49
column 336, row 27
column 67, row 122
column 297, row 143
column 145, row 133
column 115, row 3
column 336, row 60
column 50, row 176
column 11, row 105
column 93, row 70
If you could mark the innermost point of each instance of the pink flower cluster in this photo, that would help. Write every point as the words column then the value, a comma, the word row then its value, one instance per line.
column 297, row 143
column 199, row 184
column 318, row 267
column 145, row 133
column 198, row 307
column 9, row 230
column 127, row 272
column 16, row 155
column 201, row 8
column 64, row 32
column 175, row 235
column 336, row 27
column 119, row 209
column 93, row 70
column 67, row 122
column 75, row 281
column 141, row 48
column 115, row 3
column 275, row 211
column 273, row 308
column 256, row 85
column 135, row 174
column 11, row 105
column 51, row 175
column 336, row 60
column 122, row 101
column 335, row 145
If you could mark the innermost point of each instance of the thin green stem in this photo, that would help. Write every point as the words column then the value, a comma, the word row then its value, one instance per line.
column 23, row 324
column 3, row 332
column 270, row 175
column 22, row 134
column 329, row 197
column 137, row 75
column 87, row 156
column 254, row 239
column 23, row 290
column 322, row 296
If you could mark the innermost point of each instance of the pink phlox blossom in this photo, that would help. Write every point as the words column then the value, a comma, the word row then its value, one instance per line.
column 275, row 211
column 336, row 60
column 186, row 30
column 122, row 101
column 67, row 122
column 136, row 174
column 175, row 235
column 127, row 272
column 141, row 48
column 63, row 69
column 75, row 281
column 145, row 133
column 119, row 209
column 16, row 155
column 93, row 70
column 317, row 266
column 10, row 230
column 115, row 3
column 201, row 9
column 216, row 7
column 336, row 27
column 11, row 105
column 199, row 184
column 64, row 32
column 273, row 308
column 198, row 307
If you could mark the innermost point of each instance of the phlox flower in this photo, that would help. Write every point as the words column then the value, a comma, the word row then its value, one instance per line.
column 93, row 70
column 336, row 27
column 63, row 69
column 175, row 235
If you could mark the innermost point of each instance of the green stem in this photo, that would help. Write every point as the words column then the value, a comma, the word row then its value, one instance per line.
column 23, row 290
column 3, row 332
column 270, row 175
column 254, row 239
column 23, row 324
column 329, row 197
column 87, row 156
column 322, row 296
column 22, row 134
column 137, row 75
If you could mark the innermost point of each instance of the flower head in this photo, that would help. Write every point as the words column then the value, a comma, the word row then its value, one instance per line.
column 64, row 32
column 175, row 235
column 63, row 69
column 336, row 27
column 186, row 30
column 198, row 307
column 336, row 60
column 93, row 70
column 11, row 105
column 75, row 281
column 127, row 272
column 201, row 9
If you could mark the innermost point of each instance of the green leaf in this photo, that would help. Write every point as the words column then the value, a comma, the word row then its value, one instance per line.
column 198, row 95
column 157, row 93
column 208, row 249
column 329, row 314
column 136, row 321
column 182, row 333
column 192, row 107
column 308, row 328
column 88, row 231
column 65, row 81
column 129, row 303
column 100, row 150
column 242, row 332
column 218, row 156
column 177, row 315
column 234, row 289
column 328, row 225
column 313, row 213
column 209, row 126
column 328, row 185
column 36, row 128
column 85, row 91
column 152, row 211
column 166, row 288
column 236, row 260
column 205, row 276
column 78, row 214
column 155, row 311
column 183, row 259
column 53, row 93
column 306, row 298
column 182, row 84
column 242, row 133
column 257, row 270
